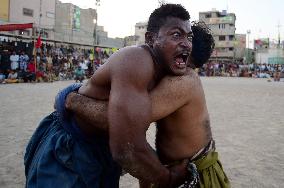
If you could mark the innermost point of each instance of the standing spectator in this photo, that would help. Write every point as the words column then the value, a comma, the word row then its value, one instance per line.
column 5, row 64
column 24, row 59
column 49, row 63
column 14, row 59
column 83, row 64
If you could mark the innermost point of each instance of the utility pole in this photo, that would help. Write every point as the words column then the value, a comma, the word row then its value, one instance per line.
column 248, row 58
column 40, row 15
column 96, row 24
column 278, row 26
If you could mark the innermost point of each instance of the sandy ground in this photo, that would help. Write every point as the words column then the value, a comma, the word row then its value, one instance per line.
column 247, row 119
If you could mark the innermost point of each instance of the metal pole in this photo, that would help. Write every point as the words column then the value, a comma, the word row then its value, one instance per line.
column 96, row 24
column 248, row 59
column 40, row 15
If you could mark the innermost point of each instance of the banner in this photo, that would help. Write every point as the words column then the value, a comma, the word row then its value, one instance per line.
column 76, row 18
column 12, row 27
column 220, row 20
column 276, row 60
column 261, row 43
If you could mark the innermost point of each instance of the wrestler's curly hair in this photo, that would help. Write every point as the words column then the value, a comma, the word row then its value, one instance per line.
column 158, row 16
column 202, row 44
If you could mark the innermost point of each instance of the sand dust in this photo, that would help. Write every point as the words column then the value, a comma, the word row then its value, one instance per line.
column 247, row 119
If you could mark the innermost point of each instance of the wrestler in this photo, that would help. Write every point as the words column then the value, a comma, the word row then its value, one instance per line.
column 61, row 152
column 179, row 108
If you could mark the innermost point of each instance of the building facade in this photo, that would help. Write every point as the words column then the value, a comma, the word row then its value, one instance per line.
column 239, row 47
column 74, row 25
column 79, row 26
column 56, row 22
column 268, row 52
column 228, row 46
column 40, row 13
column 140, row 30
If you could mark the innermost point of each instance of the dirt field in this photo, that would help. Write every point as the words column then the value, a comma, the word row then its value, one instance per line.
column 247, row 119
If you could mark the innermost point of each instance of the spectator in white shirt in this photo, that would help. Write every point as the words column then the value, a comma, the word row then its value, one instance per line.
column 14, row 58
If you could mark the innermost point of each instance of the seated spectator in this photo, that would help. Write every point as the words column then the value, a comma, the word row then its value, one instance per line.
column 12, row 77
column 30, row 74
column 276, row 76
column 79, row 74
column 40, row 73
column 50, row 76
column 2, row 76
column 62, row 75
column 22, row 75
column 69, row 74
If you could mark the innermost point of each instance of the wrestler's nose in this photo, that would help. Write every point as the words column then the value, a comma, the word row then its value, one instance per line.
column 187, row 44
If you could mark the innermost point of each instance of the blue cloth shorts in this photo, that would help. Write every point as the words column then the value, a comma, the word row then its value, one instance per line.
column 57, row 154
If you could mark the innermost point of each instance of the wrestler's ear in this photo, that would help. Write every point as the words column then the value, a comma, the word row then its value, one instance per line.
column 149, row 38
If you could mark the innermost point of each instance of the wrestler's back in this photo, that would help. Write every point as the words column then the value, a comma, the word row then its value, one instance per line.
column 186, row 131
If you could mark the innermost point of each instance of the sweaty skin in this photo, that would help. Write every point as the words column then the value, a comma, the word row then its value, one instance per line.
column 125, row 81
column 184, row 126
column 179, row 106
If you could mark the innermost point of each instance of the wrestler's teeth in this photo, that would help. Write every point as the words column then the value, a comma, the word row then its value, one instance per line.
column 179, row 61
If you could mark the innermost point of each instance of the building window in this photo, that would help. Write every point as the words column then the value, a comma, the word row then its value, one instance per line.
column 222, row 50
column 44, row 34
column 231, row 49
column 50, row 15
column 208, row 15
column 28, row 12
column 222, row 38
column 231, row 37
column 222, row 26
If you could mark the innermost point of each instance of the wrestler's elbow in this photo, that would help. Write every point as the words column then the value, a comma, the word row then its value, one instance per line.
column 127, row 153
column 121, row 156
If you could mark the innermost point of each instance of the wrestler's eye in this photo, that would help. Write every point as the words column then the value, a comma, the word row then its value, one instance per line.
column 190, row 38
column 176, row 35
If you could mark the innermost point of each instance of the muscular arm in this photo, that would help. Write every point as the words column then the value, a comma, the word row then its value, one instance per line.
column 166, row 98
column 129, row 111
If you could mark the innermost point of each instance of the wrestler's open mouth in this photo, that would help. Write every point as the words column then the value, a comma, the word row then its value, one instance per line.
column 181, row 59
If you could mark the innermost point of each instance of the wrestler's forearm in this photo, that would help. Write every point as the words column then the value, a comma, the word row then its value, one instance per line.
column 166, row 98
column 89, row 110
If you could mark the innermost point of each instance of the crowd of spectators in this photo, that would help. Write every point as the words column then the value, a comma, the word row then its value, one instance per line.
column 275, row 71
column 19, row 63
column 48, row 63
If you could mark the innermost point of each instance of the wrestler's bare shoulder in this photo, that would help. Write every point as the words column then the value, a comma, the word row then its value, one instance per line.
column 130, row 55
column 184, row 83
column 125, row 65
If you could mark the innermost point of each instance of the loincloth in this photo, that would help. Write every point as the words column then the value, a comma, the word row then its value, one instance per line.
column 209, row 168
column 205, row 169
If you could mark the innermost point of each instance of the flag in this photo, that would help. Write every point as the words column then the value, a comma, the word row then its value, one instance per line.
column 38, row 42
